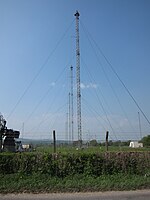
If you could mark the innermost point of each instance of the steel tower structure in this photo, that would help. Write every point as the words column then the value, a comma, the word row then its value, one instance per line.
column 72, row 107
column 69, row 120
column 78, row 80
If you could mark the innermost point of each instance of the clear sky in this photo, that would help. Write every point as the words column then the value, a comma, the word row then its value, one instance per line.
column 37, row 48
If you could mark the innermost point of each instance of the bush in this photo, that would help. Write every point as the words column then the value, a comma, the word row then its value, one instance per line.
column 146, row 141
column 62, row 165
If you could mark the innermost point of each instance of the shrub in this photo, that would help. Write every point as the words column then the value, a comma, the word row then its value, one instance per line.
column 62, row 165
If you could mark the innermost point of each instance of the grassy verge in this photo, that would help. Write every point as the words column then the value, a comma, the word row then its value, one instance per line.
column 40, row 183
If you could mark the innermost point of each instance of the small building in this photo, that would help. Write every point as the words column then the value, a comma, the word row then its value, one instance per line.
column 135, row 144
column 27, row 147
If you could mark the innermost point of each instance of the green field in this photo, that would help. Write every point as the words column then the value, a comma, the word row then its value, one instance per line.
column 98, row 149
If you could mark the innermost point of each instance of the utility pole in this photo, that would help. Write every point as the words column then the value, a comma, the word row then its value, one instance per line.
column 72, row 107
column 78, row 80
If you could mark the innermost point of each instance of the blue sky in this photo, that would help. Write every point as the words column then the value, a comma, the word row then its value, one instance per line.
column 37, row 48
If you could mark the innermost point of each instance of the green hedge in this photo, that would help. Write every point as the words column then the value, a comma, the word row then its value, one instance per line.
column 61, row 165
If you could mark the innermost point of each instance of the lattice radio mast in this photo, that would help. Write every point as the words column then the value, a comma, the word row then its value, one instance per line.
column 72, row 108
column 69, row 133
column 78, row 80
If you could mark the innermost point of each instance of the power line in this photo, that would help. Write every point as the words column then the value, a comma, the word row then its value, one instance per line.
column 43, row 97
column 114, row 71
column 43, row 118
column 100, row 102
column 113, row 90
column 95, row 111
column 40, row 69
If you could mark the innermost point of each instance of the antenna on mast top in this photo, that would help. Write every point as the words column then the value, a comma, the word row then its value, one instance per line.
column 77, row 14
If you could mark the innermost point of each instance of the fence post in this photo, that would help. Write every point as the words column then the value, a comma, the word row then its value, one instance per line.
column 107, row 133
column 54, row 141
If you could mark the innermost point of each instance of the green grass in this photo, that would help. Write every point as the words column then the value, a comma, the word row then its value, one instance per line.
column 37, row 183
column 65, row 149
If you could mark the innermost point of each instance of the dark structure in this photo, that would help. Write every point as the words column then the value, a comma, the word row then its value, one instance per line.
column 7, row 137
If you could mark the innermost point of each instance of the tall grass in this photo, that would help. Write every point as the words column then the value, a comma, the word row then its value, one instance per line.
column 38, row 183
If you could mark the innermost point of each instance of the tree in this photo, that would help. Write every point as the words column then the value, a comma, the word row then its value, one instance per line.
column 146, row 141
column 93, row 143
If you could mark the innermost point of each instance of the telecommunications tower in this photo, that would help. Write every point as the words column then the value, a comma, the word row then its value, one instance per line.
column 78, row 80
column 70, row 116
column 72, row 112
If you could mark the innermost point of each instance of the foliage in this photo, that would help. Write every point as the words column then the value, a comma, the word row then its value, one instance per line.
column 93, row 143
column 118, row 143
column 146, row 141
column 74, row 172
column 63, row 165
